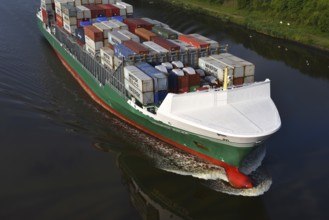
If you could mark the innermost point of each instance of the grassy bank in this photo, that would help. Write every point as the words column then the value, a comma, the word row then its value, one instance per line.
column 268, row 22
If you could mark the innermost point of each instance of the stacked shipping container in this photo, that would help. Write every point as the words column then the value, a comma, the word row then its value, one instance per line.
column 97, row 24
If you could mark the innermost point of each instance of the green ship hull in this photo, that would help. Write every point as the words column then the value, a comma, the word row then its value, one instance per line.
column 226, row 156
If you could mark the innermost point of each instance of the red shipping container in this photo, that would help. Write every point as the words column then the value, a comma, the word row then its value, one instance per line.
column 195, row 42
column 110, row 10
column 165, row 43
column 44, row 16
column 136, row 47
column 93, row 33
column 183, row 84
column 95, row 10
column 134, row 23
column 238, row 81
column 145, row 34
column 194, row 80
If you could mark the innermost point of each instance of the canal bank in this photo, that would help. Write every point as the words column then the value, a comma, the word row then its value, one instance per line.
column 258, row 21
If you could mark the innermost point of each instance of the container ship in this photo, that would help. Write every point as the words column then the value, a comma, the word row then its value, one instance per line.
column 184, row 89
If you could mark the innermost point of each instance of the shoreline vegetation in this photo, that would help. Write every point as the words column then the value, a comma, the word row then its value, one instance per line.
column 302, row 21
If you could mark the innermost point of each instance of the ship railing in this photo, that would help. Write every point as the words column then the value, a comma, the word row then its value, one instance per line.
column 91, row 63
column 188, row 57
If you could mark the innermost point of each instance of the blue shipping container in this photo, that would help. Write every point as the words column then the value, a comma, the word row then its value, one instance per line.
column 121, row 50
column 100, row 19
column 160, row 80
column 162, row 95
column 173, row 82
column 80, row 34
column 118, row 18
column 85, row 23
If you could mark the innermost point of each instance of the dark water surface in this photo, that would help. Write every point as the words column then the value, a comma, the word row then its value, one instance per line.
column 63, row 157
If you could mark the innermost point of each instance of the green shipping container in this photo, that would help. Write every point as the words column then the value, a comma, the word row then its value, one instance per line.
column 161, row 31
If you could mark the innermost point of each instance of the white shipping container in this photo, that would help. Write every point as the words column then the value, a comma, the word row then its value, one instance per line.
column 144, row 98
column 178, row 72
column 102, row 27
column 77, row 2
column 80, row 14
column 107, row 56
column 177, row 64
column 107, row 64
column 157, row 48
column 130, row 35
column 117, row 62
column 116, row 38
column 47, row 7
column 249, row 68
column 69, row 28
column 83, row 12
column 129, row 8
column 249, row 79
column 69, row 20
column 238, row 68
column 122, row 9
column 94, row 45
column 60, row 3
column 162, row 69
column 111, row 25
column 91, row 50
column 189, row 70
column 121, row 25
column 168, row 65
column 138, row 79
column 214, row 68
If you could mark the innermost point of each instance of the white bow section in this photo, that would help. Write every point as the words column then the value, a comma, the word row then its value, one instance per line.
column 243, row 115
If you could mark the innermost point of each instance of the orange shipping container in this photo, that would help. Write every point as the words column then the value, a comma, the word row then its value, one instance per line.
column 145, row 34
column 59, row 21
column 195, row 42
column 93, row 33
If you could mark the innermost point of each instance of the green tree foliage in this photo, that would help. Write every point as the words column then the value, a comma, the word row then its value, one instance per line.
column 305, row 12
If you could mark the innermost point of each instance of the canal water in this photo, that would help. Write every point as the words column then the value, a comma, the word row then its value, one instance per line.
column 63, row 157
